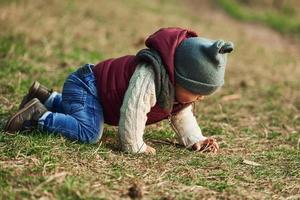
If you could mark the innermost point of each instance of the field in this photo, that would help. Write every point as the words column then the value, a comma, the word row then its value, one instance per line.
column 255, row 117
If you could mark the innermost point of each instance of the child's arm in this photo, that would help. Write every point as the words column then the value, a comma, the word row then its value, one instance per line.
column 138, row 100
column 189, row 133
column 186, row 127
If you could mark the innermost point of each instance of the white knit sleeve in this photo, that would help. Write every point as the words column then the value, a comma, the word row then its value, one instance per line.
column 186, row 127
column 138, row 100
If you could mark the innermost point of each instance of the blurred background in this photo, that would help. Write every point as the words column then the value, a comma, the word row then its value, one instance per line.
column 281, row 15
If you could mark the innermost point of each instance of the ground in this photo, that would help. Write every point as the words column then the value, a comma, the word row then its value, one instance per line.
column 255, row 116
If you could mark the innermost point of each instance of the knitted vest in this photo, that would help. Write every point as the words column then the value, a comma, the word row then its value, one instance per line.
column 113, row 75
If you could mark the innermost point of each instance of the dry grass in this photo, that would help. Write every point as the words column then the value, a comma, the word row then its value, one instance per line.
column 261, row 123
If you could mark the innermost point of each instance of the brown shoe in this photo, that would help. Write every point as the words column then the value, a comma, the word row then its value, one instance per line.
column 36, row 90
column 30, row 114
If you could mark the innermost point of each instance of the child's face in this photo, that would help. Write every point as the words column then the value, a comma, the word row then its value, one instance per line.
column 185, row 96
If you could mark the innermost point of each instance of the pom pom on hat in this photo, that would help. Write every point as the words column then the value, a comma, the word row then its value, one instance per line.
column 200, row 64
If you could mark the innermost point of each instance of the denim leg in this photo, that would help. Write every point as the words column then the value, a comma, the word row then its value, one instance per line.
column 82, row 117
column 54, row 102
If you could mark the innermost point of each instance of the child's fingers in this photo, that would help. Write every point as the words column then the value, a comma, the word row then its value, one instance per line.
column 209, row 145
column 196, row 146
column 215, row 148
column 204, row 147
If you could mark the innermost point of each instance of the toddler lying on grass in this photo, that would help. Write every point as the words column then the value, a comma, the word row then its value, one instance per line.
column 159, row 82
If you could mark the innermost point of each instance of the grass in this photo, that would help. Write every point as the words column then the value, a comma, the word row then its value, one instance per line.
column 47, row 42
column 283, row 20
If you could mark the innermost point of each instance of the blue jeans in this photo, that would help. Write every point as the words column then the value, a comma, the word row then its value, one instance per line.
column 76, row 113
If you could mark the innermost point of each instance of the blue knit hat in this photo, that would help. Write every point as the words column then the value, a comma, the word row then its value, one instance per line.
column 200, row 64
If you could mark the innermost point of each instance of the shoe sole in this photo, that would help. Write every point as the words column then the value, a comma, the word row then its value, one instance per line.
column 25, row 108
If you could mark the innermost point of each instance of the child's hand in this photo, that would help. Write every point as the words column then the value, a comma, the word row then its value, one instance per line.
column 207, row 145
column 150, row 150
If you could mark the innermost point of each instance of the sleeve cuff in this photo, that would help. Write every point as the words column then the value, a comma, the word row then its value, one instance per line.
column 188, row 142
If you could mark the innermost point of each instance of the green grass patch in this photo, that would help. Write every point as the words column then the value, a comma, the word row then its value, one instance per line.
column 5, row 2
column 284, row 22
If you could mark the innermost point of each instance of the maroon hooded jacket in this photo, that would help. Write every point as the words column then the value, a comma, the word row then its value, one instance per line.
column 113, row 75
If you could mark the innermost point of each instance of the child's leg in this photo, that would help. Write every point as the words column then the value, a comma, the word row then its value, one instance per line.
column 54, row 103
column 83, row 115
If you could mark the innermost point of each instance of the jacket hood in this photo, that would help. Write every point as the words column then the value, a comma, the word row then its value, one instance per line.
column 165, row 41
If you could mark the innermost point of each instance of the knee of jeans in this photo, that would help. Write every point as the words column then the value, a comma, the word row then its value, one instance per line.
column 95, row 139
column 91, row 136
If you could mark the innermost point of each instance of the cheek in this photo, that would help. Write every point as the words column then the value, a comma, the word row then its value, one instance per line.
column 186, row 98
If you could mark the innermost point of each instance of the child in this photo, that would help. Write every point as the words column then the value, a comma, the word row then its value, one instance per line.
column 160, row 82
